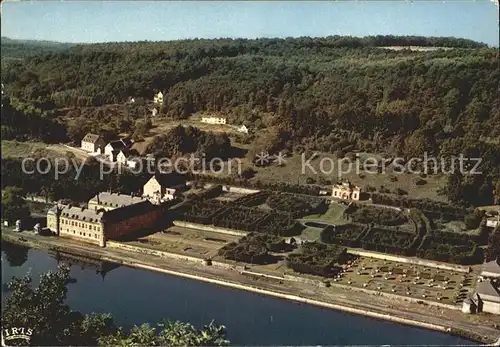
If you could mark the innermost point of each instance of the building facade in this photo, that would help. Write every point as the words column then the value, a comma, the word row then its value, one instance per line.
column 78, row 223
column 113, row 149
column 213, row 120
column 92, row 143
column 158, row 189
column 98, row 226
column 346, row 191
column 488, row 296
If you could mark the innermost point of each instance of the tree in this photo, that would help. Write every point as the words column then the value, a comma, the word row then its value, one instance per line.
column 14, row 206
column 42, row 309
column 494, row 245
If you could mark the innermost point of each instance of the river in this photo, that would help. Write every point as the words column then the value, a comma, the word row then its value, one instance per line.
column 135, row 296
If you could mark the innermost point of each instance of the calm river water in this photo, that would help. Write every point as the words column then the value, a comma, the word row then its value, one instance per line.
column 135, row 296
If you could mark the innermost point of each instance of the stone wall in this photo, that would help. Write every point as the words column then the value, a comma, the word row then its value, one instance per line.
column 154, row 252
column 407, row 260
column 211, row 228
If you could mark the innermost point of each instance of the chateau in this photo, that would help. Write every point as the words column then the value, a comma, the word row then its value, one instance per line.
column 110, row 216
column 98, row 226
column 346, row 191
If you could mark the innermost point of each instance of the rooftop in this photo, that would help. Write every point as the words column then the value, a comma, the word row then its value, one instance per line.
column 81, row 213
column 90, row 138
column 488, row 288
column 115, row 200
column 129, row 211
column 492, row 267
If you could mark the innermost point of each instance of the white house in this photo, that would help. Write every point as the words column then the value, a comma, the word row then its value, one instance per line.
column 493, row 222
column 159, row 189
column 92, row 143
column 112, row 149
column 154, row 112
column 213, row 120
column 158, row 98
column 243, row 129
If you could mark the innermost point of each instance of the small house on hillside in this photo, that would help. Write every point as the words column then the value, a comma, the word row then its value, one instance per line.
column 158, row 98
column 213, row 120
column 243, row 129
column 113, row 148
column 92, row 143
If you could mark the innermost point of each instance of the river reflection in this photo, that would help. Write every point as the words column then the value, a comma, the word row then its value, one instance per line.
column 135, row 296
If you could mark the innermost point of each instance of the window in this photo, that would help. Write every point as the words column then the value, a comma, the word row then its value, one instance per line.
column 84, row 234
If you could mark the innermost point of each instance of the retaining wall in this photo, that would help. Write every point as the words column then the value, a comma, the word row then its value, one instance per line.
column 211, row 228
column 154, row 252
column 414, row 261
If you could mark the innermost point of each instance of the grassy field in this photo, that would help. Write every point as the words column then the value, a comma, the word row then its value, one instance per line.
column 191, row 242
column 162, row 125
column 16, row 149
column 292, row 173
column 333, row 215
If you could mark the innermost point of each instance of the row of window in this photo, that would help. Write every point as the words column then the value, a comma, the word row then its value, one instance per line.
column 95, row 236
column 81, row 225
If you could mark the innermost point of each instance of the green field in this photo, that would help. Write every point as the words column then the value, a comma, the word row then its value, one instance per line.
column 16, row 149
column 333, row 215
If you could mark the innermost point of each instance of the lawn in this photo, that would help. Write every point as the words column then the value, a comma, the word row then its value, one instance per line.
column 295, row 171
column 333, row 215
column 16, row 149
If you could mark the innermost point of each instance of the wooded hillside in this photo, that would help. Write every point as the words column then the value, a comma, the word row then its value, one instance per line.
column 332, row 94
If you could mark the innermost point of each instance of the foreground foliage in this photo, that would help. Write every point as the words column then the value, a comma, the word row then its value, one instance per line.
column 42, row 309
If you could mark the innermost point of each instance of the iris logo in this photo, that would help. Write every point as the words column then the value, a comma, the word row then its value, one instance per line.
column 16, row 334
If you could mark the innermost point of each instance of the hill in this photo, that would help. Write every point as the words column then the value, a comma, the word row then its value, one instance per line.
column 334, row 94
column 20, row 49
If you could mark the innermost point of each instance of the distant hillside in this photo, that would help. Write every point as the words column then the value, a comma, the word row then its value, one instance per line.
column 19, row 49
column 332, row 94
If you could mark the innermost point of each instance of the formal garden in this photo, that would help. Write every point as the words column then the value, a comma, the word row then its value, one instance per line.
column 426, row 229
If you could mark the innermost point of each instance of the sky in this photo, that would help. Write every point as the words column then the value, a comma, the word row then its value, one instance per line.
column 104, row 21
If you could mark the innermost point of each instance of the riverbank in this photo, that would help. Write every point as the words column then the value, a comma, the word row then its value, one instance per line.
column 334, row 298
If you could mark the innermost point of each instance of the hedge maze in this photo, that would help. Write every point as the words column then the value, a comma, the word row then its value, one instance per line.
column 348, row 235
column 254, row 249
column 273, row 215
column 318, row 259
column 451, row 247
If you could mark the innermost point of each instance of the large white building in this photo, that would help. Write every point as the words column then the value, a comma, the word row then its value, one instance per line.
column 346, row 191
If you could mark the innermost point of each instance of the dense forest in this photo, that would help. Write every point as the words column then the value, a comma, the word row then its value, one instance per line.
column 333, row 94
